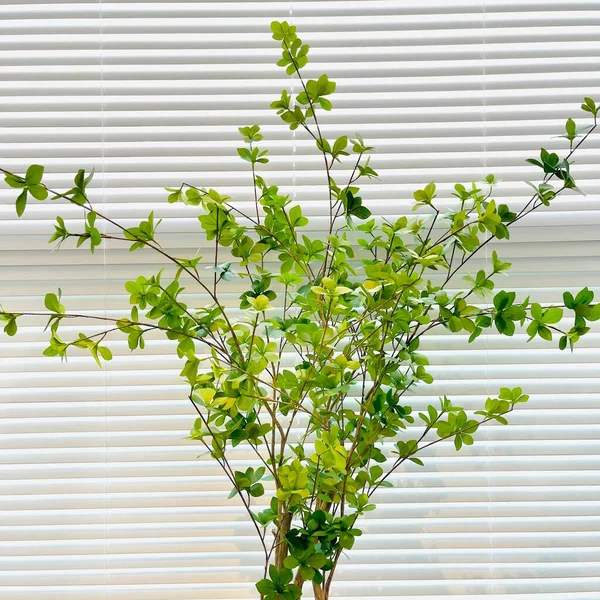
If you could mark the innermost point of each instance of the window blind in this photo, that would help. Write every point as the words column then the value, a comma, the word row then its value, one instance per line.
column 101, row 497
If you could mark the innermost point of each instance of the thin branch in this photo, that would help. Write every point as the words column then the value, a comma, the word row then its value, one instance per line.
column 226, row 467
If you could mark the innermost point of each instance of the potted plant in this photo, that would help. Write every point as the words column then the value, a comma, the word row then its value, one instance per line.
column 312, row 369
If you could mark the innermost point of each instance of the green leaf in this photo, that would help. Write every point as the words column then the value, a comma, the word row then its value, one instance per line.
column 79, row 179
column 175, row 196
column 290, row 562
column 571, row 129
column 532, row 330
column 105, row 353
column 264, row 586
column 34, row 175
column 339, row 146
column 361, row 212
column 499, row 265
column 21, row 202
column 39, row 192
column 323, row 145
column 296, row 218
column 245, row 154
column 277, row 30
column 256, row 490
column 585, row 296
column 569, row 300
column 14, row 181
column 589, row 106
column 11, row 326
column 251, row 133
column 536, row 311
column 552, row 315
column 52, row 303
column 317, row 561
column 544, row 333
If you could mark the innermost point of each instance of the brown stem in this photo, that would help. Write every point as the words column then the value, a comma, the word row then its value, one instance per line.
column 327, row 583
column 319, row 592
column 285, row 523
column 299, row 580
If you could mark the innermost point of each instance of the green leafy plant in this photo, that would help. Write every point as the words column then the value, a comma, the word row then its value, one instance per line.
column 328, row 428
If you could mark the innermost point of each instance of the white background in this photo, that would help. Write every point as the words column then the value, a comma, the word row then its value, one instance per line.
column 100, row 495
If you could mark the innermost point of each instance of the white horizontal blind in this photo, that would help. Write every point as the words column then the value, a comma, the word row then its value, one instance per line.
column 100, row 497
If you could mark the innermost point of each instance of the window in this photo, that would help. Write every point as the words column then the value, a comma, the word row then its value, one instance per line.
column 101, row 497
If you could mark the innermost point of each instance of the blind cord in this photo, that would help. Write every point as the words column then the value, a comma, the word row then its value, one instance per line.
column 105, row 300
column 491, row 516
